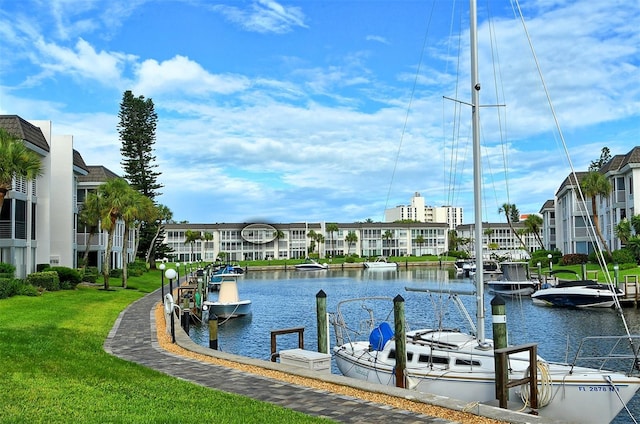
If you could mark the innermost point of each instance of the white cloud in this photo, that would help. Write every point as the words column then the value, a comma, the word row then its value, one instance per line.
column 83, row 62
column 264, row 16
column 182, row 75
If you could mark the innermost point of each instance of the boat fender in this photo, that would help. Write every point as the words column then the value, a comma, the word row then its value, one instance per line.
column 380, row 336
column 168, row 303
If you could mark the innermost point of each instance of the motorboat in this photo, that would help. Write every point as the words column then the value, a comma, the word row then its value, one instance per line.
column 311, row 265
column 216, row 277
column 228, row 304
column 514, row 280
column 459, row 364
column 464, row 267
column 380, row 263
column 578, row 294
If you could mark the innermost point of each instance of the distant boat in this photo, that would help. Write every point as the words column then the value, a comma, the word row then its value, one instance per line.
column 311, row 265
column 380, row 263
column 228, row 304
column 514, row 280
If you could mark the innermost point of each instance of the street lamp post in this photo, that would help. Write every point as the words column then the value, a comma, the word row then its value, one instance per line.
column 550, row 263
column 616, row 268
column 162, row 267
column 170, row 274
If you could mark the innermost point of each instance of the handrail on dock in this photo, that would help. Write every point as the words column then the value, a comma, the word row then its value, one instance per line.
column 275, row 333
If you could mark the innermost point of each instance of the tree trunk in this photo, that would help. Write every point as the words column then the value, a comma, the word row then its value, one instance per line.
column 107, row 259
column 125, row 243
column 596, row 223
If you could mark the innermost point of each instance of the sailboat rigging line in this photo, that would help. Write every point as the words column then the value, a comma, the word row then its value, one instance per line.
column 411, row 97
column 615, row 389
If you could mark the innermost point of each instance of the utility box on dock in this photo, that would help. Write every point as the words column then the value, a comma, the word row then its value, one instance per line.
column 309, row 359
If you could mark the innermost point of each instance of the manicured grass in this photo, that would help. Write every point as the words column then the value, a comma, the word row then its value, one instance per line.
column 55, row 370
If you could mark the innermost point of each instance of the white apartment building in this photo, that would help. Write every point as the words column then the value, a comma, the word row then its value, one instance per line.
column 499, row 240
column 572, row 216
column 259, row 241
column 38, row 222
column 419, row 211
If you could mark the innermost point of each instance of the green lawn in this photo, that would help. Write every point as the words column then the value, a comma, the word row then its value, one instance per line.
column 55, row 370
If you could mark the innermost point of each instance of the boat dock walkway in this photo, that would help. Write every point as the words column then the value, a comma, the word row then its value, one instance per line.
column 133, row 338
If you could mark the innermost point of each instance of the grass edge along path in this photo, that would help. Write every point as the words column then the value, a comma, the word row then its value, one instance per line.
column 55, row 370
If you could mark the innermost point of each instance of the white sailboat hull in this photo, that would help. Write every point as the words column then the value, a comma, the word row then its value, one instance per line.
column 583, row 396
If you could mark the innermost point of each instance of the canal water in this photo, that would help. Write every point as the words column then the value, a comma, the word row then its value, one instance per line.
column 285, row 299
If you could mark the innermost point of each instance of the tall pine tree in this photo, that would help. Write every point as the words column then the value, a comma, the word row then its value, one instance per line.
column 137, row 129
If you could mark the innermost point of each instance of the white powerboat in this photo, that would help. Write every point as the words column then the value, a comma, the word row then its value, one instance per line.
column 577, row 294
column 311, row 265
column 228, row 304
column 380, row 263
column 514, row 280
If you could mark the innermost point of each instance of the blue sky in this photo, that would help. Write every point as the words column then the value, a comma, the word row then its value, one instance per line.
column 295, row 111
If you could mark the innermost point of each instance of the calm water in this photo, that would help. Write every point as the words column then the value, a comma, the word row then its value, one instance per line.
column 284, row 299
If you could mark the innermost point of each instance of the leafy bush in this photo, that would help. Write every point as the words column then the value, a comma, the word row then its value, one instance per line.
column 8, row 287
column 69, row 277
column 115, row 273
column 136, row 269
column 623, row 256
column 42, row 267
column 460, row 254
column 594, row 259
column 48, row 280
column 574, row 259
column 7, row 271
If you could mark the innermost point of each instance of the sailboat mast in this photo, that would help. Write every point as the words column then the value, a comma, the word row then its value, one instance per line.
column 477, row 167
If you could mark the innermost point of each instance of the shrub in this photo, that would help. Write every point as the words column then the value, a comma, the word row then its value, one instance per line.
column 623, row 256
column 42, row 267
column 8, row 287
column 574, row 259
column 69, row 277
column 115, row 273
column 7, row 271
column 593, row 258
column 48, row 280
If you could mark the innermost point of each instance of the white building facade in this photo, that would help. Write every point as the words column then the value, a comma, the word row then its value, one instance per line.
column 420, row 212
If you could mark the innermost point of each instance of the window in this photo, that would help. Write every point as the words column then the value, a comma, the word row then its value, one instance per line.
column 467, row 362
column 429, row 359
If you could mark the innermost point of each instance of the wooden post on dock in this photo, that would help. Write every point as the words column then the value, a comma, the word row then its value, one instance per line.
column 213, row 332
column 499, row 318
column 401, row 341
column 321, row 312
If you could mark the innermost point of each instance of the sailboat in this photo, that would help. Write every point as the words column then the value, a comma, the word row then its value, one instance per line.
column 452, row 363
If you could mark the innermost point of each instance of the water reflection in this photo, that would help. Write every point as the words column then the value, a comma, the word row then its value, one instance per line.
column 284, row 299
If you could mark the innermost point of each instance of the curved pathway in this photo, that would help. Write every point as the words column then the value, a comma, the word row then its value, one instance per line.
column 133, row 338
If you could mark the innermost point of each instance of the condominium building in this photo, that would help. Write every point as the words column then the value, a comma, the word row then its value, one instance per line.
column 39, row 218
column 420, row 212
column 297, row 240
column 500, row 240
column 573, row 221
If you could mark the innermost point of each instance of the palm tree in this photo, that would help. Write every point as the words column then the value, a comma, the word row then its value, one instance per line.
column 623, row 231
column 164, row 215
column 113, row 198
column 191, row 237
column 89, row 217
column 332, row 228
column 277, row 235
column 205, row 237
column 596, row 184
column 351, row 239
column 419, row 241
column 533, row 223
column 313, row 236
column 16, row 160
column 510, row 212
column 137, row 208
column 635, row 223
column 388, row 235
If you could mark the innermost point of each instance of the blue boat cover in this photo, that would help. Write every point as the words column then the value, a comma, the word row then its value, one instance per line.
column 380, row 336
